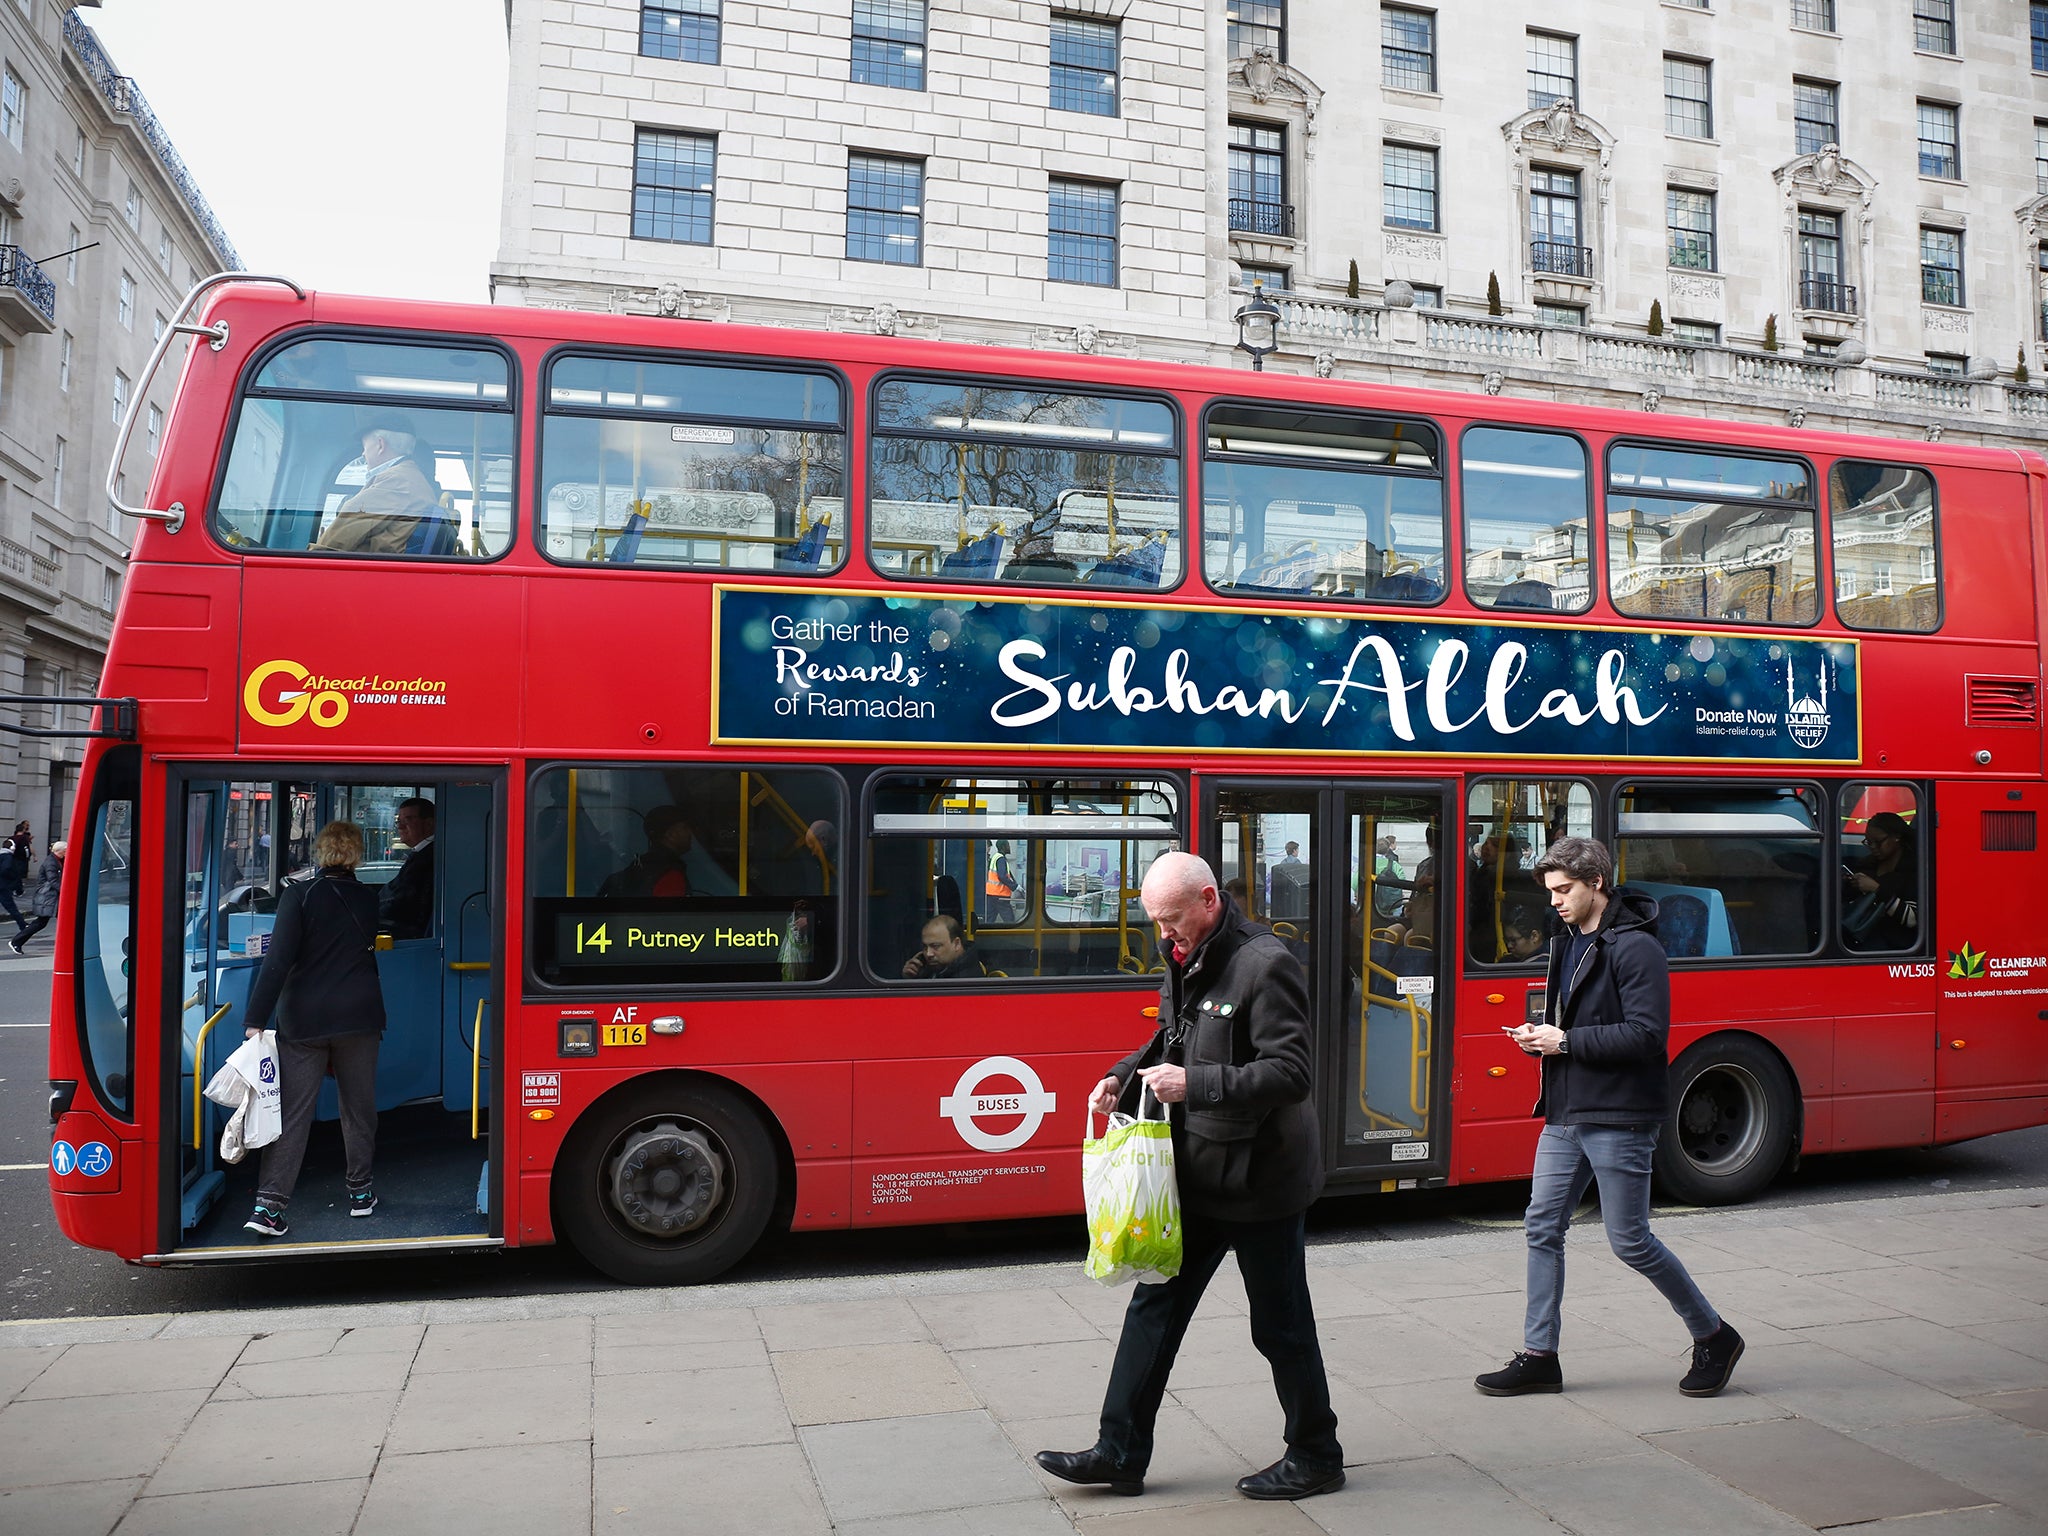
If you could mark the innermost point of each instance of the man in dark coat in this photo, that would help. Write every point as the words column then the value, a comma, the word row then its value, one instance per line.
column 1231, row 1062
column 1605, row 1093
column 946, row 955
column 405, row 907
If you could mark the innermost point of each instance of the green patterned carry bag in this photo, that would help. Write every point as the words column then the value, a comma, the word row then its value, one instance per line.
column 1132, row 1200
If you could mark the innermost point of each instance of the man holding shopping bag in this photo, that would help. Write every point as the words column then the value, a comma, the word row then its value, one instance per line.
column 1230, row 1061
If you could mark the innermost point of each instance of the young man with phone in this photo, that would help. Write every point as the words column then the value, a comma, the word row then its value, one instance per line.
column 1605, row 1093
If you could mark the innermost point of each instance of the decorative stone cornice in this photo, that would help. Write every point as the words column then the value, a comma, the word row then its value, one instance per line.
column 1558, row 129
column 1261, row 76
column 1825, row 173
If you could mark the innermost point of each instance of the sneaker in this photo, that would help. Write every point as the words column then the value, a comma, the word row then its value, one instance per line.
column 362, row 1202
column 1713, row 1362
column 15, row 944
column 1523, row 1374
column 266, row 1223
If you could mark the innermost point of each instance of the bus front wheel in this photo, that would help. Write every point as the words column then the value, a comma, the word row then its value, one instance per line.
column 667, row 1182
column 1731, row 1124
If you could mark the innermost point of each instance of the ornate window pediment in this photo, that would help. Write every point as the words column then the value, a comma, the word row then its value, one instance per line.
column 1273, row 85
column 2033, row 217
column 1558, row 129
column 1827, row 173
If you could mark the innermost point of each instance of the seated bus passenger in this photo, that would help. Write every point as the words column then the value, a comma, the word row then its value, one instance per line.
column 397, row 502
column 946, row 955
column 1881, row 895
column 660, row 870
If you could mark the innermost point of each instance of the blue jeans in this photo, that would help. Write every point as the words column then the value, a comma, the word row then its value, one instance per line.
column 1568, row 1158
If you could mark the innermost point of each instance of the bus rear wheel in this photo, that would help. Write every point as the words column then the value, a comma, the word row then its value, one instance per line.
column 1731, row 1124
column 666, row 1183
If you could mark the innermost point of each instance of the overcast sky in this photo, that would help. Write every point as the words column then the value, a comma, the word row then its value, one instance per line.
column 355, row 145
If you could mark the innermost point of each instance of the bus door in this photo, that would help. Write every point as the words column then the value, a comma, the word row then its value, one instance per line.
column 1345, row 876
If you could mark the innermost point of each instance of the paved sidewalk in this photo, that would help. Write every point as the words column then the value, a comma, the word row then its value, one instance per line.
column 1897, row 1372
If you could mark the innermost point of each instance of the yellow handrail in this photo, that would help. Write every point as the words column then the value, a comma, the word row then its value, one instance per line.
column 199, row 1075
column 476, row 1063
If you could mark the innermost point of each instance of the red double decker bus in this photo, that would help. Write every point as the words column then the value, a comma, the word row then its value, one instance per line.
column 800, row 713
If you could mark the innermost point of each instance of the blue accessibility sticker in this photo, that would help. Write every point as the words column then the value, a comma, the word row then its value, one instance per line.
column 62, row 1158
column 95, row 1158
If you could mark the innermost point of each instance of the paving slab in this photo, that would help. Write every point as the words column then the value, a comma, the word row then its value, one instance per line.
column 2028, row 1408
column 142, row 1365
column 822, row 1325
column 1420, row 1278
column 1946, row 1359
column 1990, row 1453
column 67, row 1509
column 1431, row 1494
column 1793, row 1250
column 1642, row 1492
column 763, row 1490
column 1236, row 1516
column 488, row 1492
column 1795, row 1302
column 672, row 1328
column 1495, row 1432
column 865, row 1470
column 1251, row 1424
column 870, row 1381
column 293, row 1344
column 2029, row 1338
column 1814, row 1473
column 1031, row 1517
column 91, row 1439
column 20, row 1367
column 493, row 1346
column 704, row 1355
column 691, row 1411
column 1392, row 1351
column 1986, row 1520
column 303, row 1509
column 317, row 1376
column 1040, row 1316
column 1936, row 1295
column 1636, row 1390
column 1839, row 1390
column 2017, row 1274
column 278, row 1440
column 1889, row 1236
column 1041, row 1381
column 467, row 1410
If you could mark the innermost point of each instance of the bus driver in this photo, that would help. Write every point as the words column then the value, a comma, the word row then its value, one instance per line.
column 396, row 500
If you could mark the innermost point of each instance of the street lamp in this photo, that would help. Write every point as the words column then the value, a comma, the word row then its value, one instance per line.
column 1258, row 327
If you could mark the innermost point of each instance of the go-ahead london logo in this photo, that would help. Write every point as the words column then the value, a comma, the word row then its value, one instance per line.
column 281, row 693
column 967, row 1104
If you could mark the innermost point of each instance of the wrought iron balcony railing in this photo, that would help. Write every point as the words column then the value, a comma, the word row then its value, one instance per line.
column 19, row 272
column 1262, row 218
column 1826, row 293
column 1560, row 259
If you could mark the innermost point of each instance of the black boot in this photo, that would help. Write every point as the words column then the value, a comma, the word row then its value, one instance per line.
column 1092, row 1467
column 1713, row 1362
column 1524, row 1374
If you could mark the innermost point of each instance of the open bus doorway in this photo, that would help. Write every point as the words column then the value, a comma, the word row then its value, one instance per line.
column 246, row 840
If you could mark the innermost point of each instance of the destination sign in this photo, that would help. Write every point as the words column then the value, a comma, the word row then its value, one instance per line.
column 639, row 938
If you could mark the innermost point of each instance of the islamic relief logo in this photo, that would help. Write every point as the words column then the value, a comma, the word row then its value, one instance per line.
column 1806, row 716
column 1966, row 964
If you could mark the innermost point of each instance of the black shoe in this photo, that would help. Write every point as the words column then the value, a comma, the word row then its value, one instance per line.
column 1291, row 1479
column 1091, row 1467
column 266, row 1223
column 1523, row 1374
column 1713, row 1362
column 15, row 943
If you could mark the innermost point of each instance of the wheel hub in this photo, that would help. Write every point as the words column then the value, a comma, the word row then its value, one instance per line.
column 667, row 1181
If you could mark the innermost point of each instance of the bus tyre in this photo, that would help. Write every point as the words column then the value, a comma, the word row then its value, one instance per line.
column 1731, row 1125
column 666, row 1183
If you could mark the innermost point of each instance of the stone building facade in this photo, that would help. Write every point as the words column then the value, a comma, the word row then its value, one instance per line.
column 1853, row 194
column 102, row 232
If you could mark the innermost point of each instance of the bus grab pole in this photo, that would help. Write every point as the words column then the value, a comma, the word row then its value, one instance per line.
column 199, row 1075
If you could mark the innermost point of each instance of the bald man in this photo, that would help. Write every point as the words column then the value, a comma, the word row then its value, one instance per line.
column 1231, row 1062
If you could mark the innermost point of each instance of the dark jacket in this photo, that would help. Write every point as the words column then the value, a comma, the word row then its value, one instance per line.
column 405, row 906
column 321, row 972
column 969, row 964
column 14, row 865
column 49, row 884
column 1246, row 1146
column 1616, row 1015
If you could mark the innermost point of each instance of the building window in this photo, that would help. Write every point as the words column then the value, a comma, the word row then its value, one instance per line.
column 888, row 43
column 1272, row 279
column 120, row 396
column 1700, row 333
column 72, row 241
column 64, row 364
column 2037, row 21
column 1408, row 186
column 1688, row 97
column 1258, row 179
column 1951, row 364
column 155, row 435
column 1082, row 242
column 163, row 251
column 157, row 326
column 885, row 210
column 110, row 588
column 679, row 29
column 1560, row 314
column 1084, row 67
column 1553, row 69
column 1407, row 48
column 1554, row 241
column 1939, row 155
column 1934, row 25
column 1428, row 295
column 1941, row 266
column 1256, row 24
column 13, row 105
column 1815, row 116
column 57, row 475
column 1823, row 348
column 2040, row 155
column 131, row 208
column 674, row 177
column 1689, row 222
column 113, row 513
column 1820, row 263
column 1814, row 15
column 78, row 153
column 124, row 309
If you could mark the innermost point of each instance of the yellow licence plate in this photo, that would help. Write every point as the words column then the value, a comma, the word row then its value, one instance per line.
column 625, row 1034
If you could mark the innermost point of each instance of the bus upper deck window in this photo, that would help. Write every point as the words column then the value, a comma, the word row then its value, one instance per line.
column 1528, row 525
column 372, row 449
column 1717, row 536
column 1887, row 559
column 1318, row 504
column 977, row 481
column 704, row 465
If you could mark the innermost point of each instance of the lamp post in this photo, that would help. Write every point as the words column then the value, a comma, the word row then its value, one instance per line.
column 1258, row 327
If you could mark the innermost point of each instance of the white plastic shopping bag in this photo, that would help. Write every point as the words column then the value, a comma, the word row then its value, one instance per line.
column 247, row 1083
column 1132, row 1199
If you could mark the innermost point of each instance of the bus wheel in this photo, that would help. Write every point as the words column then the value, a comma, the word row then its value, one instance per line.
column 1731, row 1122
column 666, row 1183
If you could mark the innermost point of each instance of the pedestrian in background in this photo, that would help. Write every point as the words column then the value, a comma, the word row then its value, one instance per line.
column 1231, row 1063
column 49, row 885
column 17, row 863
column 1606, row 1090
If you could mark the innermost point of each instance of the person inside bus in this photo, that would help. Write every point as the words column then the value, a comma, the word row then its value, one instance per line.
column 1494, row 879
column 405, row 907
column 1881, row 891
column 662, row 870
column 946, row 955
column 397, row 501
column 1417, row 922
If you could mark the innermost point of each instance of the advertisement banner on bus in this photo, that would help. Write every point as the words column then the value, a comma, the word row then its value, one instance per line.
column 839, row 668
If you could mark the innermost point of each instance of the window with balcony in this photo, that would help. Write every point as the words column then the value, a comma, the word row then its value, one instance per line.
column 1699, row 333
column 675, row 176
column 1939, row 140
column 1934, row 26
column 1555, row 243
column 885, row 210
column 1082, row 243
column 1953, row 365
column 1408, row 190
column 2037, row 22
column 1561, row 314
column 1256, row 24
column 13, row 106
column 1553, row 69
column 889, row 43
column 1272, row 279
column 1814, row 15
column 1084, row 65
column 1820, row 263
column 1941, row 266
column 686, row 30
column 1258, row 179
column 1688, row 97
column 1407, row 48
column 1689, row 225
column 1427, row 295
column 1816, row 116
